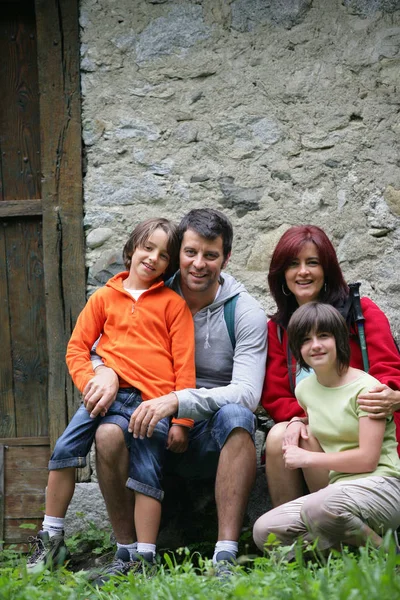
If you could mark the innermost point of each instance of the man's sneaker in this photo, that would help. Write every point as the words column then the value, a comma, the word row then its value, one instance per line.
column 144, row 563
column 120, row 565
column 47, row 552
column 224, row 564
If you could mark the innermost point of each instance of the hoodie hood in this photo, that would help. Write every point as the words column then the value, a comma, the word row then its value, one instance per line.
column 209, row 320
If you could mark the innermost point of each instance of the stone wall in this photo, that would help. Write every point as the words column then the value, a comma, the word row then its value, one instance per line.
column 278, row 112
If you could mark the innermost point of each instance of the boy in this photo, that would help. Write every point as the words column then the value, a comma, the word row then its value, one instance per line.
column 147, row 337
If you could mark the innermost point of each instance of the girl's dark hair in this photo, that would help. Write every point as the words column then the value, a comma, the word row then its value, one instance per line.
column 209, row 223
column 335, row 289
column 141, row 234
column 319, row 318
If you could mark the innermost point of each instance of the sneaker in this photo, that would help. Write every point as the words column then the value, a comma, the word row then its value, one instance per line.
column 224, row 564
column 120, row 565
column 47, row 552
column 144, row 563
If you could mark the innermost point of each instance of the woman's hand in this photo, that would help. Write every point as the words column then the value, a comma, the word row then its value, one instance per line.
column 380, row 402
column 295, row 431
column 296, row 458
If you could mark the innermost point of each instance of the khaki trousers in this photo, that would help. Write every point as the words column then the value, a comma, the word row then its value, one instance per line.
column 334, row 514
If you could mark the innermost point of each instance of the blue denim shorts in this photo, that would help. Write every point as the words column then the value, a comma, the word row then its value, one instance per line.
column 206, row 440
column 146, row 456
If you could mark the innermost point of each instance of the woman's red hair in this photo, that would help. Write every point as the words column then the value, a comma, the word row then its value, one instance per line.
column 335, row 289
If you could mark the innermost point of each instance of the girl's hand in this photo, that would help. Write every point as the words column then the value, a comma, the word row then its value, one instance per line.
column 295, row 457
column 380, row 402
column 294, row 432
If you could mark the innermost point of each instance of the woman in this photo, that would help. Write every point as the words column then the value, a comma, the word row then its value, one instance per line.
column 361, row 502
column 305, row 268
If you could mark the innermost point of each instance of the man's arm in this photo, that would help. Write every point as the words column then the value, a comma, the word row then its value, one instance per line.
column 248, row 368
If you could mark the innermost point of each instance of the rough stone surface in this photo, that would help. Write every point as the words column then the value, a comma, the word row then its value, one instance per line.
column 280, row 113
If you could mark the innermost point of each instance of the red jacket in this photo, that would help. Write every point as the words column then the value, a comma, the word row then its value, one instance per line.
column 384, row 359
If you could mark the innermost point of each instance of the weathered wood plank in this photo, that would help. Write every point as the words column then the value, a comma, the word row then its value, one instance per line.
column 27, row 457
column 25, row 506
column 1, row 495
column 63, row 242
column 26, row 441
column 25, row 481
column 7, row 411
column 20, row 208
column 19, row 117
column 27, row 314
column 13, row 534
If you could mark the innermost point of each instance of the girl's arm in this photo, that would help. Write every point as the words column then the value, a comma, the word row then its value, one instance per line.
column 363, row 459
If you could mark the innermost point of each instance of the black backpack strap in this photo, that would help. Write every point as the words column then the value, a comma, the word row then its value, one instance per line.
column 289, row 359
column 229, row 316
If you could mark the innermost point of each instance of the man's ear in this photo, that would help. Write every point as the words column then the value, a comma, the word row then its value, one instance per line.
column 226, row 260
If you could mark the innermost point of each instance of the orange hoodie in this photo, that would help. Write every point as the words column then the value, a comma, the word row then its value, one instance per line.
column 149, row 343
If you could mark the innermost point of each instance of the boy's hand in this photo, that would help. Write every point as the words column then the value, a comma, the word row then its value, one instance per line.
column 147, row 415
column 178, row 438
column 100, row 392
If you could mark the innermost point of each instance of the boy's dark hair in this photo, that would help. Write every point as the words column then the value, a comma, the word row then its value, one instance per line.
column 141, row 234
column 319, row 318
column 209, row 223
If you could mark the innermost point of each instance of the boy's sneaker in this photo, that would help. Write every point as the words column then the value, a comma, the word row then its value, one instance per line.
column 224, row 564
column 123, row 563
column 47, row 552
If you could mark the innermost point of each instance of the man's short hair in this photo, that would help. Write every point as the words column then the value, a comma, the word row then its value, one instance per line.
column 209, row 223
column 316, row 317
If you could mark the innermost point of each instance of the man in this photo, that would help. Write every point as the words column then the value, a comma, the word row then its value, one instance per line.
column 229, row 379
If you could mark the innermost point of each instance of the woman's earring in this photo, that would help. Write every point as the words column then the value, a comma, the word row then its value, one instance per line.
column 325, row 287
column 285, row 293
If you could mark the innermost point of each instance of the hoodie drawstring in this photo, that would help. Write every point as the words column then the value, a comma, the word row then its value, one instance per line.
column 206, row 343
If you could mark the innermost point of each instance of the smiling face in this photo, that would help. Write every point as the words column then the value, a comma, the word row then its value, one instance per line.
column 318, row 351
column 305, row 276
column 149, row 262
column 201, row 261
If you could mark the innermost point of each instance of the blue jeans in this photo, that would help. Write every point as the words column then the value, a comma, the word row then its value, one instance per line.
column 206, row 440
column 146, row 456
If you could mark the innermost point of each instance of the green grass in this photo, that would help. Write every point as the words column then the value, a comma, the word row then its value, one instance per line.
column 367, row 575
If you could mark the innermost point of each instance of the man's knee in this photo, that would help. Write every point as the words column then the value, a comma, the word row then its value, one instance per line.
column 273, row 444
column 110, row 441
column 233, row 417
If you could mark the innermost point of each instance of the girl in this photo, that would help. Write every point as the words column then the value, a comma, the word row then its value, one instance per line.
column 361, row 500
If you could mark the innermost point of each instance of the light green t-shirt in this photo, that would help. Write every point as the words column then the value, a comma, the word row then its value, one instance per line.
column 333, row 415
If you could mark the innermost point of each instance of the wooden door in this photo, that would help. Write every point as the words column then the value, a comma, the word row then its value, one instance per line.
column 42, row 274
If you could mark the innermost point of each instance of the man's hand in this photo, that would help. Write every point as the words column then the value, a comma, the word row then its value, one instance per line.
column 100, row 391
column 381, row 401
column 295, row 457
column 147, row 415
column 294, row 433
column 178, row 438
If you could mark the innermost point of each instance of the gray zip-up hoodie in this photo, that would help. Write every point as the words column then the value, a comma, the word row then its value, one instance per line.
column 225, row 375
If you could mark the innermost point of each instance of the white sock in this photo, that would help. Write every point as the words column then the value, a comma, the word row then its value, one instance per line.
column 54, row 525
column 142, row 547
column 226, row 545
column 132, row 548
